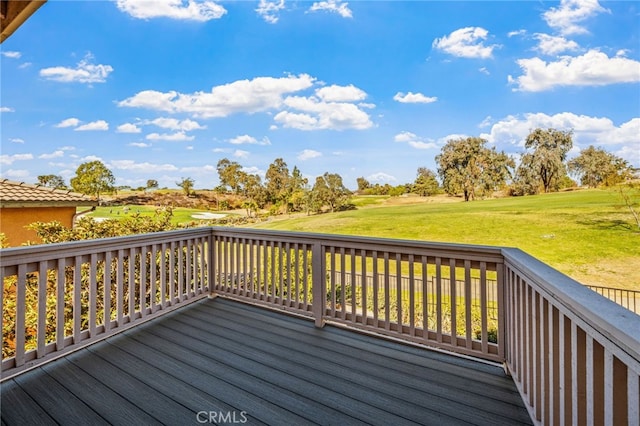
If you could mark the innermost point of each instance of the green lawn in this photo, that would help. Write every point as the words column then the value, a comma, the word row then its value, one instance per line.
column 180, row 214
column 586, row 234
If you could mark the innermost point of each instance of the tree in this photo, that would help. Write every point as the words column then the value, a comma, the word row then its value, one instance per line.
column 426, row 183
column 277, row 183
column 230, row 173
column 151, row 183
column 466, row 166
column 595, row 167
column 550, row 148
column 187, row 185
column 363, row 184
column 52, row 181
column 93, row 178
column 329, row 190
column 298, row 188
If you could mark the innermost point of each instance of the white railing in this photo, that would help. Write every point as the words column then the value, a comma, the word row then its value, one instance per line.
column 57, row 298
column 630, row 299
column 574, row 355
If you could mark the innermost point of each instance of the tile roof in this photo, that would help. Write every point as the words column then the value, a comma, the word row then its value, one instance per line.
column 20, row 194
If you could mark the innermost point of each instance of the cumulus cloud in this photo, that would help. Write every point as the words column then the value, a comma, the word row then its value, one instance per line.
column 333, row 6
column 188, row 10
column 312, row 113
column 172, row 137
column 414, row 140
column 140, row 144
column 335, row 93
column 145, row 167
column 594, row 68
column 16, row 140
column 174, row 124
column 128, row 128
column 69, row 122
column 587, row 130
column 10, row 159
column 381, row 177
column 84, row 72
column 16, row 174
column 552, row 45
column 246, row 139
column 308, row 154
column 570, row 14
column 25, row 65
column 242, row 96
column 466, row 43
column 11, row 54
column 270, row 10
column 7, row 109
column 99, row 125
column 238, row 153
column 413, row 98
column 56, row 154
column 516, row 33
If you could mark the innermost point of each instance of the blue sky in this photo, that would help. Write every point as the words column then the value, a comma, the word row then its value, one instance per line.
column 165, row 89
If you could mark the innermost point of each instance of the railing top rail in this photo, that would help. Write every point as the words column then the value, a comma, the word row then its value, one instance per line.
column 614, row 322
column 370, row 243
column 42, row 252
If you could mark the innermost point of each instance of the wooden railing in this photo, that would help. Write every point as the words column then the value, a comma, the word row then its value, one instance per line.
column 60, row 297
column 574, row 355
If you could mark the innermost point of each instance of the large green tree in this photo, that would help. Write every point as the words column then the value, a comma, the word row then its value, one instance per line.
column 93, row 178
column 546, row 159
column 187, row 185
column 277, row 183
column 329, row 190
column 426, row 183
column 230, row 173
column 467, row 166
column 52, row 181
column 595, row 167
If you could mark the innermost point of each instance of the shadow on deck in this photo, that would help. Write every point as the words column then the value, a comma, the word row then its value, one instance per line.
column 220, row 361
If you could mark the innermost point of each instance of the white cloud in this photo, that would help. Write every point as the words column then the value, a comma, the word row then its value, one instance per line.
column 91, row 158
column 414, row 141
column 174, row 124
column 567, row 17
column 238, row 153
column 56, row 154
column 246, row 139
column 594, row 68
column 24, row 65
column 484, row 70
column 308, row 154
column 317, row 115
column 173, row 137
column 140, row 144
column 552, row 45
column 587, row 130
column 335, row 93
column 100, row 125
column 242, row 96
column 16, row 140
column 175, row 9
column 486, row 122
column 381, row 177
column 132, row 166
column 84, row 72
column 69, row 122
column 9, row 159
column 269, row 10
column 68, row 148
column 7, row 109
column 128, row 128
column 16, row 174
column 366, row 105
column 334, row 6
column 413, row 98
column 11, row 54
column 466, row 43
column 516, row 33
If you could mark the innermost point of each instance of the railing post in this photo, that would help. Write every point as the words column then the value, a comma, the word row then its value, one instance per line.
column 319, row 284
column 211, row 265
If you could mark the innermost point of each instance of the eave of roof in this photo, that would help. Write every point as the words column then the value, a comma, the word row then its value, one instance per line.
column 19, row 194
column 14, row 13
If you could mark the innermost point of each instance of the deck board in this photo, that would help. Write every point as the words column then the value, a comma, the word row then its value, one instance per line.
column 222, row 356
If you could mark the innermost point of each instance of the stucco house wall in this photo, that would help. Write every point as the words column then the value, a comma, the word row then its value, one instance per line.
column 13, row 222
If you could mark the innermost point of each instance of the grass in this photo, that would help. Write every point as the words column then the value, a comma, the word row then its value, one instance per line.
column 586, row 234
column 180, row 214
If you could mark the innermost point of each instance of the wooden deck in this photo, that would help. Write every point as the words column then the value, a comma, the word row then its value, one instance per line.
column 220, row 361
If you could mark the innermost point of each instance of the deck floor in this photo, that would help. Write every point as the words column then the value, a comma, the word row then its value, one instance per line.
column 220, row 361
